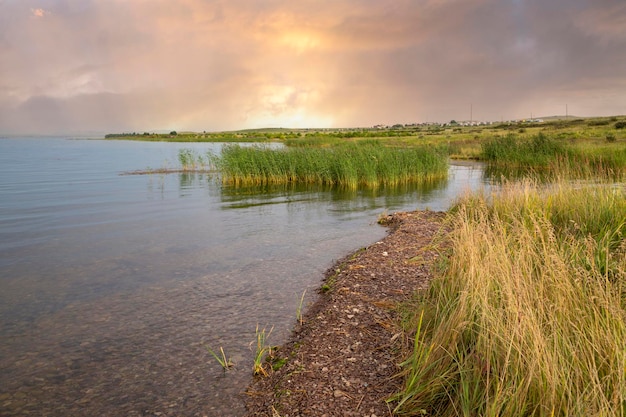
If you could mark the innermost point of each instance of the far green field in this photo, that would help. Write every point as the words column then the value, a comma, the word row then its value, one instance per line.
column 463, row 142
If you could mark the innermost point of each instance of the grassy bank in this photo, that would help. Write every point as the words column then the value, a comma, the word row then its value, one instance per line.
column 368, row 164
column 528, row 314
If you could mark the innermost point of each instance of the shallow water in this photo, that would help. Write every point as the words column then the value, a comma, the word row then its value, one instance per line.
column 114, row 285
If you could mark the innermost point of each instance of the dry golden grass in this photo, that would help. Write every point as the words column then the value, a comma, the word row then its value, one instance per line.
column 528, row 316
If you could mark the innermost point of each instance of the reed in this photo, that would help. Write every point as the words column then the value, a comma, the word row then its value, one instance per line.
column 528, row 313
column 351, row 165
column 224, row 362
column 608, row 160
column 263, row 351
column 190, row 160
column 299, row 309
column 186, row 158
column 538, row 151
column 547, row 156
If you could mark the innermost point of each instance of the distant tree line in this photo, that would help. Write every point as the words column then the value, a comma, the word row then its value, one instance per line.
column 123, row 135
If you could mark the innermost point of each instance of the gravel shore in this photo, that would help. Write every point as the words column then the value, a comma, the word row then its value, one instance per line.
column 343, row 359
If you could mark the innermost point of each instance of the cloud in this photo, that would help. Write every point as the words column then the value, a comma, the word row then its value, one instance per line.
column 606, row 23
column 38, row 12
column 197, row 64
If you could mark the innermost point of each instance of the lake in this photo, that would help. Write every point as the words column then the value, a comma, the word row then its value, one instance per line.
column 114, row 285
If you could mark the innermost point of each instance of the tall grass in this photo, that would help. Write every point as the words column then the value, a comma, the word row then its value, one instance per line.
column 367, row 163
column 528, row 315
column 609, row 160
column 547, row 156
column 536, row 151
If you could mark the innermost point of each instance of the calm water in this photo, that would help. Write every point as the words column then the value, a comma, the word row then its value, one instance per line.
column 114, row 285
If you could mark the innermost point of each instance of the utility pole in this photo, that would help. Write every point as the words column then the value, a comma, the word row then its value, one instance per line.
column 566, row 114
column 471, row 113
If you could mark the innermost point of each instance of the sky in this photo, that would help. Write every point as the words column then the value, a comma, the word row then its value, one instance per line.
column 79, row 66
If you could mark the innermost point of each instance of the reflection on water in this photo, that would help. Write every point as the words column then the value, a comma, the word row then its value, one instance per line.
column 346, row 198
column 113, row 286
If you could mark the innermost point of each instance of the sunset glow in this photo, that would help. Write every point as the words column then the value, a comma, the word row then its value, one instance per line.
column 96, row 65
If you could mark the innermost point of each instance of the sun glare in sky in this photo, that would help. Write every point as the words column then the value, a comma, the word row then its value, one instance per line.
column 301, row 41
column 286, row 106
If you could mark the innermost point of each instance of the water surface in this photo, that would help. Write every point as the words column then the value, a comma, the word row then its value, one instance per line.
column 114, row 285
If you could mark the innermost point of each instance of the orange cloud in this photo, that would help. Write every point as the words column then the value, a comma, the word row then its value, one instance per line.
column 38, row 12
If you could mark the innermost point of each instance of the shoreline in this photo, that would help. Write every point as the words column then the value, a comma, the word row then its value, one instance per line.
column 343, row 359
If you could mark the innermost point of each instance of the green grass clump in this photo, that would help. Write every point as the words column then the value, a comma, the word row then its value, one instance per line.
column 609, row 159
column 367, row 163
column 551, row 157
column 536, row 151
column 528, row 314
